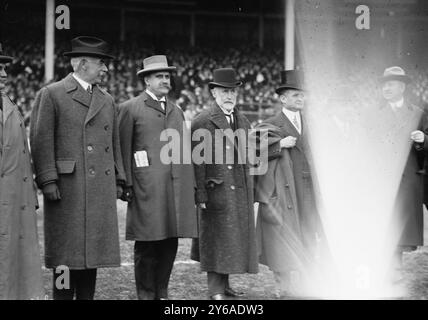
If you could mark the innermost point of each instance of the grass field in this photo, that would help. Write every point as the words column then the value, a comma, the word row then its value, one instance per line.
column 188, row 283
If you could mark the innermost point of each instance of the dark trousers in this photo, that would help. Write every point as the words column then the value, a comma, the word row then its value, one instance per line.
column 82, row 285
column 153, row 262
column 217, row 283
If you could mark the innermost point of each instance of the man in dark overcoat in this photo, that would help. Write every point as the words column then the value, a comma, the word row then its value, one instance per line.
column 20, row 265
column 224, row 191
column 404, row 127
column 75, row 145
column 288, row 224
column 160, row 190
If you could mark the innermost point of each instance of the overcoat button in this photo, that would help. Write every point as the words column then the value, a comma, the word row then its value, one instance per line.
column 287, row 185
column 25, row 179
column 230, row 167
column 91, row 171
column 107, row 149
column 232, row 187
column 106, row 127
column 108, row 171
column 290, row 207
column 90, row 148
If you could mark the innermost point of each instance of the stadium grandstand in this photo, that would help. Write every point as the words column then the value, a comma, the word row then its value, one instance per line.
column 197, row 36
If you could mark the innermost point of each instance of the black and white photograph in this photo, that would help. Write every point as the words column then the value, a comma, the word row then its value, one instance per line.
column 186, row 150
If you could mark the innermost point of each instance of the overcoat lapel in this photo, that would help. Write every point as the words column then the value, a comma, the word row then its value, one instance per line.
column 287, row 128
column 148, row 100
column 77, row 92
column 97, row 103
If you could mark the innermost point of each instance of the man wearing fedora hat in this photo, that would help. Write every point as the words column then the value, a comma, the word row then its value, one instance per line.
column 76, row 152
column 288, row 226
column 20, row 265
column 160, row 194
column 402, row 123
column 224, row 192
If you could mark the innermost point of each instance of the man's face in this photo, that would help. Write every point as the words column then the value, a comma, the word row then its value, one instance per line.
column 95, row 70
column 393, row 90
column 225, row 97
column 293, row 100
column 3, row 76
column 159, row 83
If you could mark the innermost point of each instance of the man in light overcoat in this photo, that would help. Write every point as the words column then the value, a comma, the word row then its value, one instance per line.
column 160, row 192
column 20, row 265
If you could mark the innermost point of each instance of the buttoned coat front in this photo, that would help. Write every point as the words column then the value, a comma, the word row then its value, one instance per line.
column 75, row 143
column 227, row 242
column 163, row 204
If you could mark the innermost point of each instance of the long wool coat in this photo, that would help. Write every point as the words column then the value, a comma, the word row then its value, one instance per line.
column 407, row 219
column 227, row 242
column 75, row 143
column 279, row 234
column 163, row 205
column 309, row 220
column 20, row 265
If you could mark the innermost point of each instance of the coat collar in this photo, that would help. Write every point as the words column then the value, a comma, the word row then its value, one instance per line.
column 150, row 102
column 94, row 102
column 219, row 119
column 287, row 128
column 8, row 107
column 78, row 93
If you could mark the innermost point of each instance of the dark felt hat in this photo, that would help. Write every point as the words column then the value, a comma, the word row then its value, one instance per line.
column 225, row 78
column 290, row 79
column 89, row 46
column 3, row 57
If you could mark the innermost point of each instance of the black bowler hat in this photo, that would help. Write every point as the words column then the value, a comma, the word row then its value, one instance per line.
column 225, row 78
column 3, row 58
column 290, row 79
column 89, row 46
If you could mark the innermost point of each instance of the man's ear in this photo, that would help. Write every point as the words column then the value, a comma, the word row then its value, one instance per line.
column 283, row 99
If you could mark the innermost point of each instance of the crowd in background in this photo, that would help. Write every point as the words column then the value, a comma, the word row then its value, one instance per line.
column 258, row 69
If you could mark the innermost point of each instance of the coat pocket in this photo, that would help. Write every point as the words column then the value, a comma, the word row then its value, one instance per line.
column 216, row 194
column 65, row 166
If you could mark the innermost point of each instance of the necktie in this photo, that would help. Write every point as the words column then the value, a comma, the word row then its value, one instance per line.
column 1, row 102
column 89, row 89
column 296, row 122
column 230, row 119
column 162, row 103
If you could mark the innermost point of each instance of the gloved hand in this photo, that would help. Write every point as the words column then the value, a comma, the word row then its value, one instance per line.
column 128, row 194
column 51, row 192
column 119, row 191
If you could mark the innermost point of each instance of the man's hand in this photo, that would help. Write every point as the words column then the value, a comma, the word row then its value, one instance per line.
column 202, row 206
column 51, row 192
column 119, row 191
column 288, row 142
column 127, row 194
column 417, row 136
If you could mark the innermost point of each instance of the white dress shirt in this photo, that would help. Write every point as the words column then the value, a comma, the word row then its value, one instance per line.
column 85, row 85
column 295, row 118
column 161, row 100
column 396, row 106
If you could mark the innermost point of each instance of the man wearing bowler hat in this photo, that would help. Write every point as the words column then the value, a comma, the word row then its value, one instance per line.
column 288, row 225
column 20, row 265
column 160, row 192
column 224, row 191
column 76, row 152
column 404, row 128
